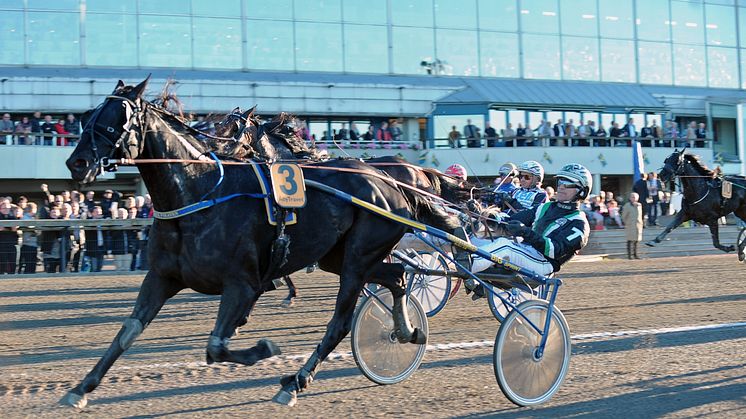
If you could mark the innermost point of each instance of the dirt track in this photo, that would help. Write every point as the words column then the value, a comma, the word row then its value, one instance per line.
column 52, row 331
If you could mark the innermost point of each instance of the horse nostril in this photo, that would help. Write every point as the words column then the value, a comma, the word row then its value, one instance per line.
column 80, row 164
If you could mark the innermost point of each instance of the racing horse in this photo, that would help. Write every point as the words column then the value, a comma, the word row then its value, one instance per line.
column 703, row 199
column 226, row 249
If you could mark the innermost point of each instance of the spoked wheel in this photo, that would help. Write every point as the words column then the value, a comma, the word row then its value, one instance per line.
column 432, row 291
column 524, row 376
column 377, row 352
column 741, row 245
column 515, row 295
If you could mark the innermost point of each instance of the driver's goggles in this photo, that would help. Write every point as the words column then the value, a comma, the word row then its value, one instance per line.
column 566, row 183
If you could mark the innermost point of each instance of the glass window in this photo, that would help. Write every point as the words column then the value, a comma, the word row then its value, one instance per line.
column 653, row 21
column 318, row 46
column 539, row 16
column 68, row 5
column 579, row 58
column 366, row 49
column 412, row 12
column 444, row 124
column 318, row 10
column 412, row 46
column 743, row 69
column 615, row 17
column 456, row 14
column 687, row 23
column 364, row 11
column 11, row 37
column 618, row 60
column 742, row 26
column 11, row 4
column 721, row 25
column 655, row 68
column 689, row 65
column 119, row 6
column 105, row 30
column 573, row 118
column 554, row 116
column 498, row 15
column 498, row 120
column 279, row 9
column 270, row 45
column 579, row 17
column 459, row 51
column 534, row 119
column 541, row 57
column 227, row 8
column 607, row 120
column 722, row 67
column 165, row 41
column 217, row 43
column 516, row 117
column 171, row 7
column 53, row 38
column 499, row 54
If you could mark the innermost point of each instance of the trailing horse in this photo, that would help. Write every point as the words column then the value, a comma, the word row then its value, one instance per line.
column 226, row 248
column 703, row 199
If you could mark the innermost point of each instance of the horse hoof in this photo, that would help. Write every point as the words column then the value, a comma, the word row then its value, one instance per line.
column 287, row 303
column 269, row 347
column 285, row 398
column 74, row 400
column 419, row 337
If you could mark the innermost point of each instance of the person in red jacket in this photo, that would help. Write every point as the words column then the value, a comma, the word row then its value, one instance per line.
column 59, row 128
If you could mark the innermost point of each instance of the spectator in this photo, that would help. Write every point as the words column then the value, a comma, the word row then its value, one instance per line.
column 508, row 133
column 47, row 129
column 8, row 238
column 354, row 133
column 396, row 132
column 701, row 135
column 145, row 211
column 94, row 241
column 599, row 212
column 7, row 128
column 369, row 136
column 601, row 135
column 544, row 131
column 77, row 238
column 23, row 129
column 558, row 131
column 550, row 193
column 528, row 135
column 383, row 134
column 29, row 243
column 89, row 203
column 72, row 126
column 570, row 129
column 454, row 137
column 110, row 202
column 50, row 243
column 655, row 130
column 471, row 134
column 632, row 217
column 616, row 133
column 641, row 188
column 132, row 240
column 654, row 187
column 489, row 134
column 36, row 122
column 691, row 133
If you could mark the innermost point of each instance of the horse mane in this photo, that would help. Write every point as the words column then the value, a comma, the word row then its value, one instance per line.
column 696, row 161
column 449, row 188
column 167, row 99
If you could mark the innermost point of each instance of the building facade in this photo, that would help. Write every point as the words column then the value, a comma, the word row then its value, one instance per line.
column 431, row 64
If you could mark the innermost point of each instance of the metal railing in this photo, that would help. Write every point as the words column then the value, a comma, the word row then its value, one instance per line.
column 552, row 141
column 37, row 138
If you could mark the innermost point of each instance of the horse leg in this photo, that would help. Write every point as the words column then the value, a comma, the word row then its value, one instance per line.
column 292, row 292
column 681, row 216
column 336, row 330
column 714, row 232
column 391, row 276
column 154, row 292
column 236, row 303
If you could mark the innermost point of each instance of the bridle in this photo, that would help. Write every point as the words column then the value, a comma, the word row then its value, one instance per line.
column 98, row 131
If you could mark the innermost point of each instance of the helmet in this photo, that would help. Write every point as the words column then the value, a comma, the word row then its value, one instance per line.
column 579, row 176
column 533, row 167
column 456, row 170
column 507, row 169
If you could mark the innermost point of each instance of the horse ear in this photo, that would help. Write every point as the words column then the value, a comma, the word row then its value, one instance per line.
column 250, row 112
column 140, row 88
column 684, row 149
column 120, row 84
column 237, row 109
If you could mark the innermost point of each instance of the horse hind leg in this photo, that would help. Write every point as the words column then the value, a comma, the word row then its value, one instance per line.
column 715, row 233
column 236, row 303
column 391, row 276
column 292, row 292
column 154, row 292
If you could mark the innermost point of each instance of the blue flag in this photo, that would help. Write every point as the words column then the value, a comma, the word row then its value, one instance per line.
column 637, row 161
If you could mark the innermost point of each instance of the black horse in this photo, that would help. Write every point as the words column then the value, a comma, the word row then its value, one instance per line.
column 226, row 249
column 703, row 199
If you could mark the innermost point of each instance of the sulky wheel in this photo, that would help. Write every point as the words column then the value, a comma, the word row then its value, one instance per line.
column 525, row 377
column 741, row 245
column 515, row 295
column 377, row 352
column 432, row 291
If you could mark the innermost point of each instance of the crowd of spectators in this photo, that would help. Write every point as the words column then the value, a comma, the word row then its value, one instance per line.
column 82, row 249
column 35, row 130
column 586, row 133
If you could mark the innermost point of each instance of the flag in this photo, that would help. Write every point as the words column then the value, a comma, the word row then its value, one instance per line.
column 637, row 161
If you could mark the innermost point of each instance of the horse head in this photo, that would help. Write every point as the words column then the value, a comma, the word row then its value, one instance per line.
column 673, row 166
column 235, row 123
column 112, row 131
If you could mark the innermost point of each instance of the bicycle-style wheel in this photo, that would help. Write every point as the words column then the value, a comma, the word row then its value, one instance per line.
column 432, row 291
column 525, row 378
column 515, row 295
column 377, row 352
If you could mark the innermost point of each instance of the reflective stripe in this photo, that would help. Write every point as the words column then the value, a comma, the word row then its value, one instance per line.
column 548, row 247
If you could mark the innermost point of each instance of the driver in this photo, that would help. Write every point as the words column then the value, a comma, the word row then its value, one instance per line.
column 552, row 233
column 456, row 170
column 529, row 195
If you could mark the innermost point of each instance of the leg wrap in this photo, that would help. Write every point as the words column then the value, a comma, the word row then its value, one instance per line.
column 131, row 329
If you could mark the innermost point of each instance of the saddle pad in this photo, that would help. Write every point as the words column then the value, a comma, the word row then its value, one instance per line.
column 266, row 186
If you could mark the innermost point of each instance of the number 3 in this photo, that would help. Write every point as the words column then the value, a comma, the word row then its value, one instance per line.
column 289, row 180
